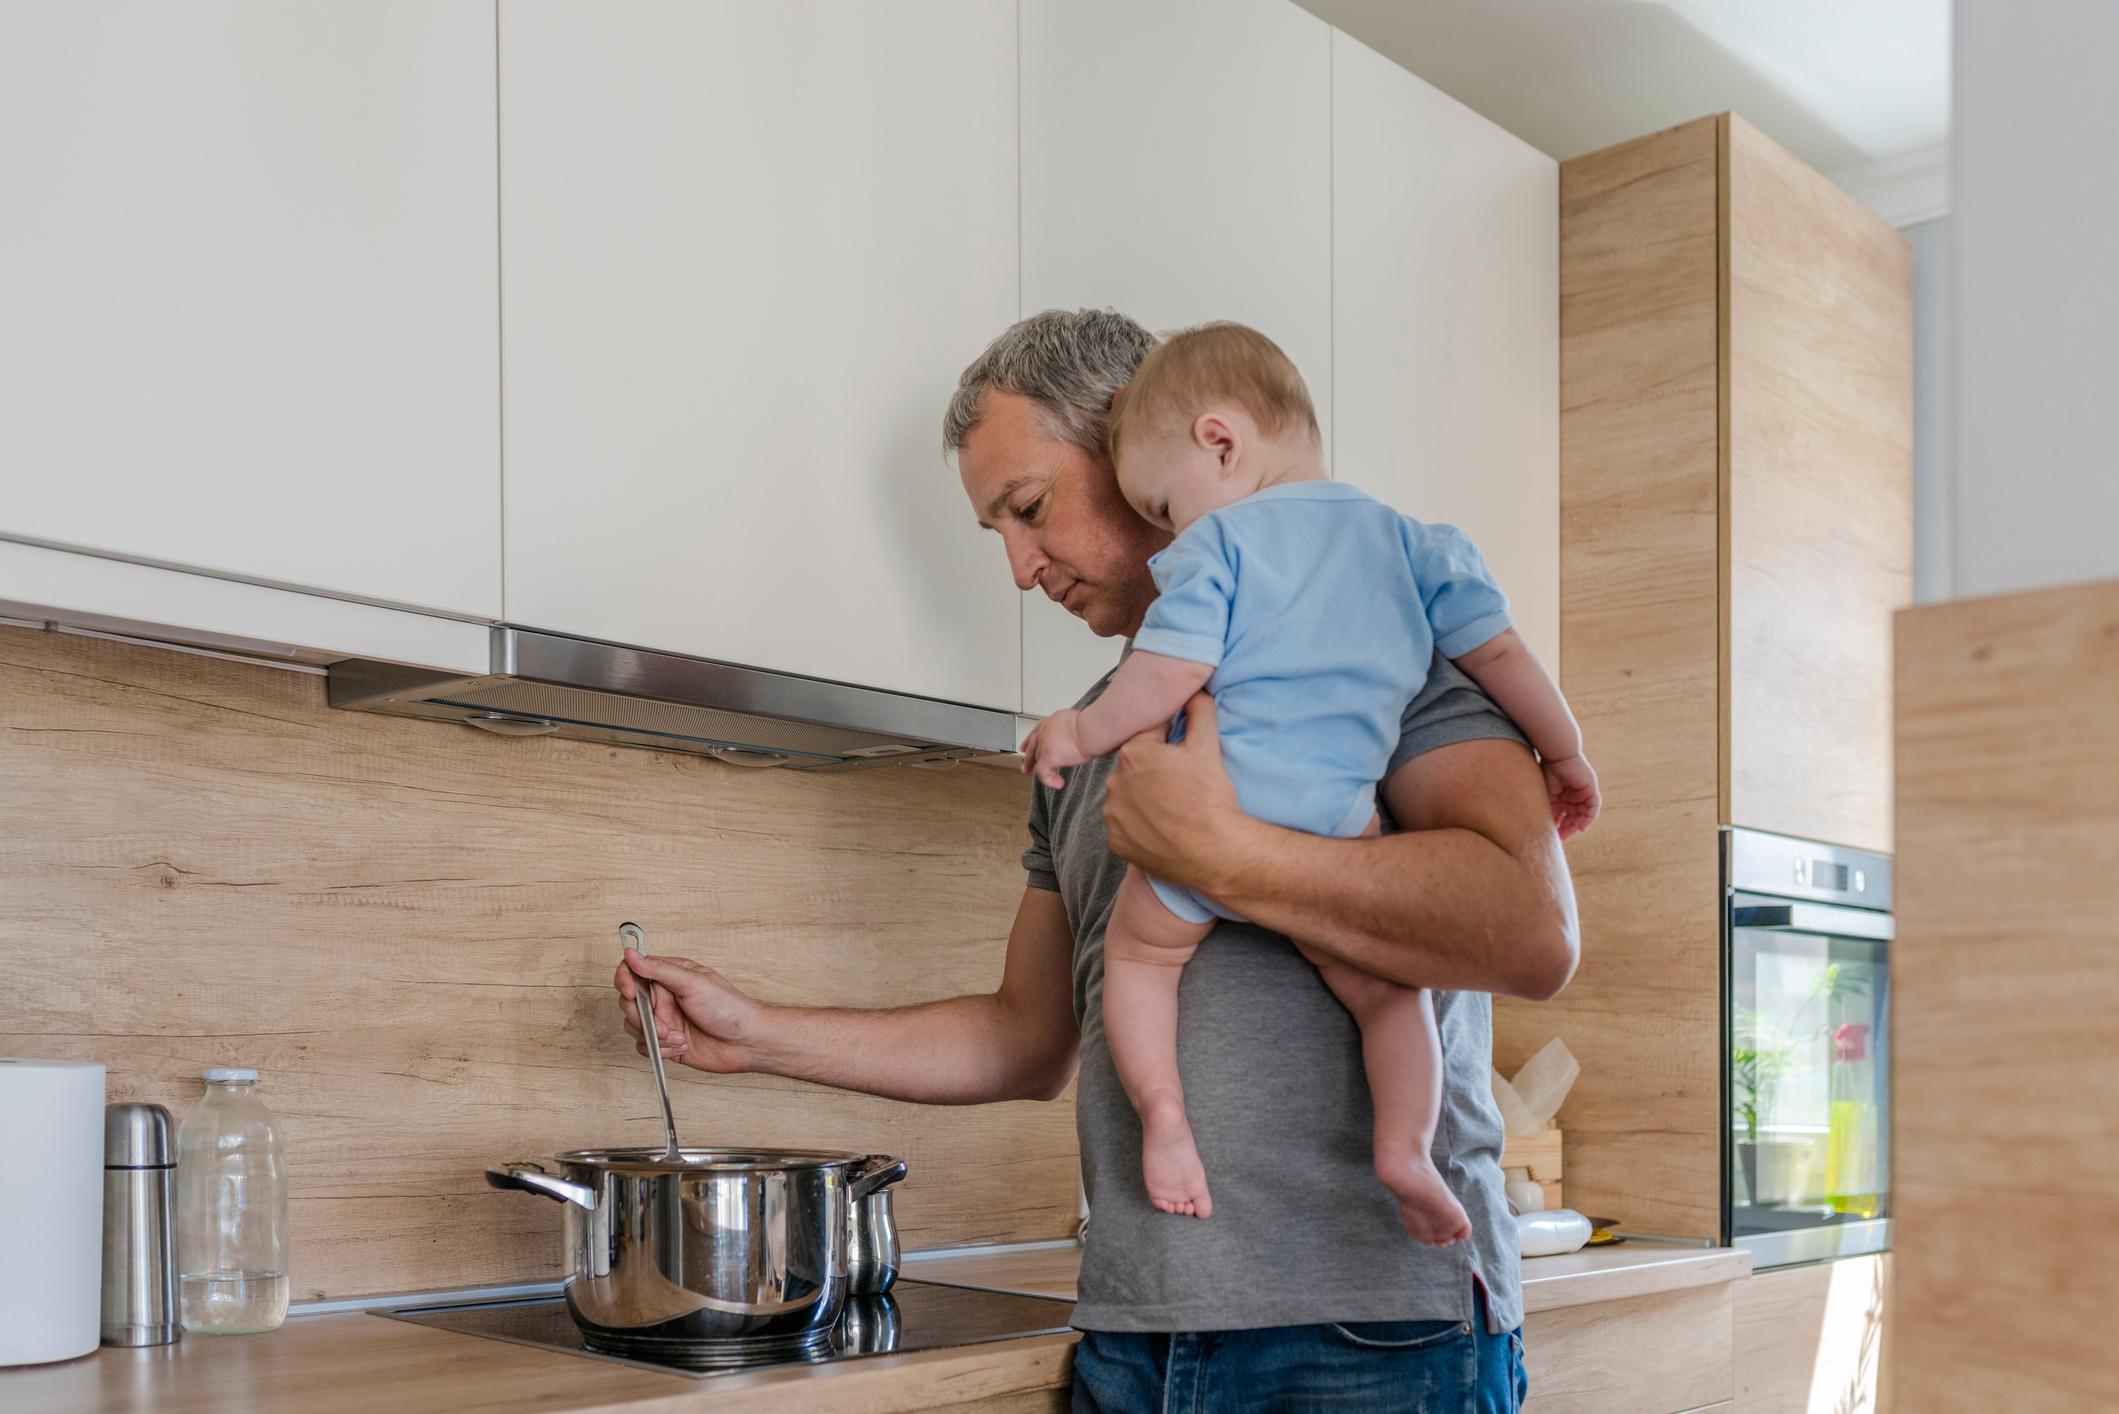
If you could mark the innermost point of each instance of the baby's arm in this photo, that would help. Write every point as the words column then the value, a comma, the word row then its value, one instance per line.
column 1513, row 677
column 1510, row 674
column 1147, row 691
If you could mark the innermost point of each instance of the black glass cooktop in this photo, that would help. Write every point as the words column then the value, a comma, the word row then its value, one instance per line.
column 913, row 1315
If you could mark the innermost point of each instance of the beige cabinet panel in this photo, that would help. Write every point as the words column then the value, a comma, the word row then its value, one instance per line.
column 1446, row 324
column 248, row 292
column 748, row 247
column 1177, row 164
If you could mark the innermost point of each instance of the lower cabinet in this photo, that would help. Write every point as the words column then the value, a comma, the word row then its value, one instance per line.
column 1813, row 1340
column 1663, row 1353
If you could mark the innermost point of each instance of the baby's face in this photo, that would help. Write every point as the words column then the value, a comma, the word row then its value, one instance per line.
column 1173, row 478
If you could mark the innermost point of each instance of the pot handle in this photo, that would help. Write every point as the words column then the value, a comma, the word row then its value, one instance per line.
column 532, row 1178
column 878, row 1171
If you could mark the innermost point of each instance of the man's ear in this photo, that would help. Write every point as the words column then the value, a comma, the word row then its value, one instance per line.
column 1215, row 433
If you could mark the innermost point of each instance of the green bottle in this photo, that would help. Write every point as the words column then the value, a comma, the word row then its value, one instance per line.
column 1851, row 1183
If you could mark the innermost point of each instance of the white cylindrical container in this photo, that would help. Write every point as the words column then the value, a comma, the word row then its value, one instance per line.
column 51, row 1199
column 1549, row 1234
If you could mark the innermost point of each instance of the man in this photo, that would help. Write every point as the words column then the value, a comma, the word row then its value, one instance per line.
column 1301, row 1289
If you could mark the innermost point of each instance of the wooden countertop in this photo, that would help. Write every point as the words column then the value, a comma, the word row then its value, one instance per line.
column 351, row 1364
column 1636, row 1267
column 356, row 1363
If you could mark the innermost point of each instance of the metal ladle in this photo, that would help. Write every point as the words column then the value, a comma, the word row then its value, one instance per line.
column 644, row 998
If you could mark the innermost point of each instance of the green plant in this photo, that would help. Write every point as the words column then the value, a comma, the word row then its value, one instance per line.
column 1755, row 1068
column 1761, row 1055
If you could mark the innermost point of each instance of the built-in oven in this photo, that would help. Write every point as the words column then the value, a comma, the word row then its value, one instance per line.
column 1806, row 1034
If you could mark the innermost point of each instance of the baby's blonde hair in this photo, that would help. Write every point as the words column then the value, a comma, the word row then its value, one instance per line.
column 1194, row 368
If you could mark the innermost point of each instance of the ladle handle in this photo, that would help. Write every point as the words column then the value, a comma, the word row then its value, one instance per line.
column 644, row 1001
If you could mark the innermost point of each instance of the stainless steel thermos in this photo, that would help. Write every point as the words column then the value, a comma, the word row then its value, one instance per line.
column 139, row 1243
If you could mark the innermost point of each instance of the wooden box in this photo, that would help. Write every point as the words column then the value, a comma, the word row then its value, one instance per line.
column 1542, row 1157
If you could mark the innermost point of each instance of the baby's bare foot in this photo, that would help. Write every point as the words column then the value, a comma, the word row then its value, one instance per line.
column 1177, row 1181
column 1430, row 1212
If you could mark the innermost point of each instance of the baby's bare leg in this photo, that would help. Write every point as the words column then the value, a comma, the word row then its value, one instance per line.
column 1145, row 950
column 1401, row 1050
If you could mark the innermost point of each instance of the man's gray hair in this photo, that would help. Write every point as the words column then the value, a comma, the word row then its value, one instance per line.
column 1070, row 362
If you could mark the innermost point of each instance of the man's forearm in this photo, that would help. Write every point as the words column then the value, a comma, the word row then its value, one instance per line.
column 963, row 1051
column 1437, row 908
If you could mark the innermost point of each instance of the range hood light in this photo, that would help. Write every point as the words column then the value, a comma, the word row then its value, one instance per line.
column 501, row 724
column 736, row 756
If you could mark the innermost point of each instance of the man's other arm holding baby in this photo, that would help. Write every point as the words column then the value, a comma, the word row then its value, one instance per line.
column 1472, row 894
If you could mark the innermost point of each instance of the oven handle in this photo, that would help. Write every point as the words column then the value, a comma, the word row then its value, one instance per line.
column 1814, row 918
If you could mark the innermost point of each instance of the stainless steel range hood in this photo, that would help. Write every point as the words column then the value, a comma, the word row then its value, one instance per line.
column 547, row 684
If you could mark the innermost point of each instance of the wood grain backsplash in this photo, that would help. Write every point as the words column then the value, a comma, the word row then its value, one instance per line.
column 409, row 928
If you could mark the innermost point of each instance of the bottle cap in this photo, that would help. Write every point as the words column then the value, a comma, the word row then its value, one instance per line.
column 216, row 1074
column 136, row 1137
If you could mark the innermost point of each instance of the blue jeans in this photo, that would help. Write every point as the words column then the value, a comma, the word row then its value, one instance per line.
column 1435, row 1367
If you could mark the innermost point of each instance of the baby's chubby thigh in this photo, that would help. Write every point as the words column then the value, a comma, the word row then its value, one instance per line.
column 1143, row 929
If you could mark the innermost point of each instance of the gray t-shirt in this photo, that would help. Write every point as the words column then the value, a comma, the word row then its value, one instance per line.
column 1302, row 1231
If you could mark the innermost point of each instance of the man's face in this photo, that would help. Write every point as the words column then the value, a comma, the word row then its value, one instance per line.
column 1058, row 510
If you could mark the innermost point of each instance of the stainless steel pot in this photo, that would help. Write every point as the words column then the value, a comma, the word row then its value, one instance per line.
column 872, row 1244
column 731, row 1256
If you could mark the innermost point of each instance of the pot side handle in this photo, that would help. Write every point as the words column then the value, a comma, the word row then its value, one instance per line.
column 531, row 1178
column 880, row 1171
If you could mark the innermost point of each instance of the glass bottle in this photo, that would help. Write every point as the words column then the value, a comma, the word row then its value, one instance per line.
column 231, row 1211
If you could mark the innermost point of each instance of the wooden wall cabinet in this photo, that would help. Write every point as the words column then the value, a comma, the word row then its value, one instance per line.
column 2006, row 1002
column 1736, row 531
column 1815, row 1339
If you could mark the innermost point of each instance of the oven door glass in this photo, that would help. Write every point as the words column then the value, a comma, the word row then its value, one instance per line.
column 1809, row 1068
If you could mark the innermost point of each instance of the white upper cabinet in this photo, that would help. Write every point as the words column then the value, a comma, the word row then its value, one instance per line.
column 747, row 248
column 1177, row 166
column 1445, row 358
column 249, row 292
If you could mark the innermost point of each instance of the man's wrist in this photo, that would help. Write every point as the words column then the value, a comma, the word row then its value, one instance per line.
column 1225, row 860
column 761, row 1046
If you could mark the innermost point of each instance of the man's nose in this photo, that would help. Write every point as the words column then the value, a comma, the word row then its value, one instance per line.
column 1025, row 561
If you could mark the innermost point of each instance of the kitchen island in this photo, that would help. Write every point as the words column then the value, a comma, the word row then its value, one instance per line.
column 1629, row 1327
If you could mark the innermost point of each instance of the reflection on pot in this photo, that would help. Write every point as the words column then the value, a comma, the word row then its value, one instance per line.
column 869, row 1325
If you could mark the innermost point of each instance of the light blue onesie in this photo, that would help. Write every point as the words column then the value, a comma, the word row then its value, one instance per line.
column 1319, row 609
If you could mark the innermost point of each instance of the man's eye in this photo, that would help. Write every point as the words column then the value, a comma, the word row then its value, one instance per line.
column 1029, row 510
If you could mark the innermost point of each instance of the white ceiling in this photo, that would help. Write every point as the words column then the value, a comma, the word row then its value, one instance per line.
column 1859, row 89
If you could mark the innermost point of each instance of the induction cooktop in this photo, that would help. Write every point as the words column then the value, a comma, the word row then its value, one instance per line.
column 912, row 1315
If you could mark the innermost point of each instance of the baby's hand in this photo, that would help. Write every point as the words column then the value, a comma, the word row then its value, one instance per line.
column 1053, row 743
column 1571, row 785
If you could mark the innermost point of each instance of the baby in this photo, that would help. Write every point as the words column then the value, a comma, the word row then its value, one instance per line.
column 1312, row 612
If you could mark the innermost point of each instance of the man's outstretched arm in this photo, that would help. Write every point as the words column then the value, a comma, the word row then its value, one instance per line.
column 1019, row 1042
column 1473, row 894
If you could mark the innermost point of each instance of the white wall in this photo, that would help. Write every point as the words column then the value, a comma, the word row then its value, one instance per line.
column 2036, row 294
